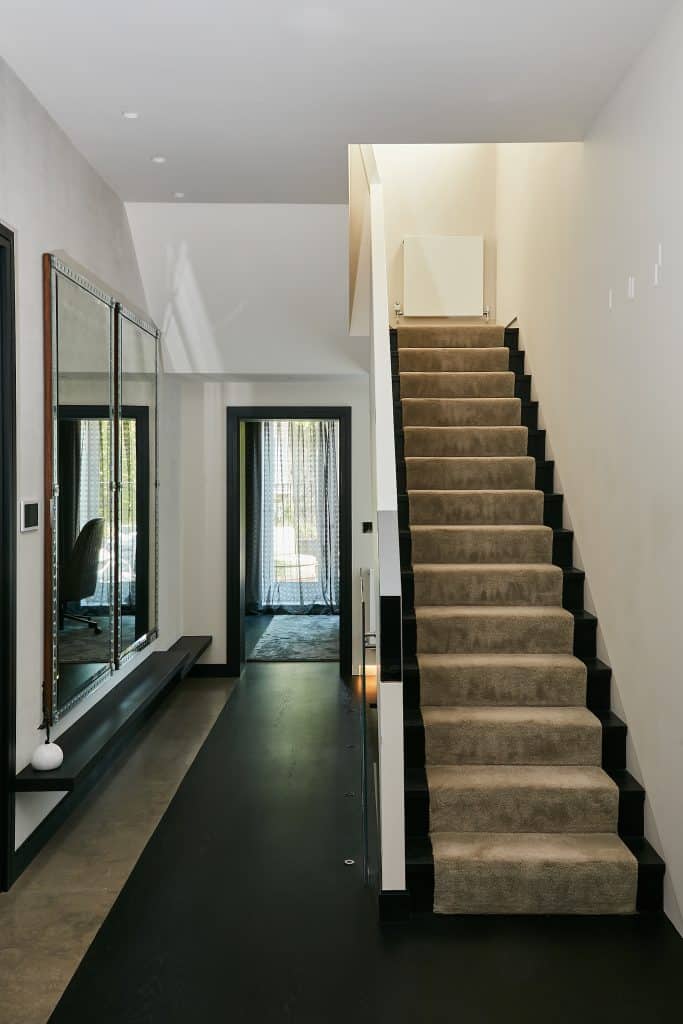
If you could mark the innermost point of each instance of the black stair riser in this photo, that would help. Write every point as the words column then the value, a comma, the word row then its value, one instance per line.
column 511, row 338
column 536, row 444
column 545, row 475
column 530, row 415
column 572, row 589
column 403, row 513
column 563, row 548
column 631, row 805
column 414, row 746
column 650, row 894
column 420, row 885
column 409, row 635
column 405, row 549
column 408, row 589
column 516, row 361
column 523, row 387
column 417, row 810
column 552, row 510
column 631, row 810
column 651, row 869
column 585, row 635
column 598, row 685
column 411, row 683
column 613, row 742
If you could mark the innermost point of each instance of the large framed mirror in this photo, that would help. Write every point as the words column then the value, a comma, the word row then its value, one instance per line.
column 101, row 367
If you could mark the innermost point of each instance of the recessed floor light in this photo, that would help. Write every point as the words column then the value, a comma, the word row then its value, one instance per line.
column 178, row 195
column 158, row 159
column 131, row 115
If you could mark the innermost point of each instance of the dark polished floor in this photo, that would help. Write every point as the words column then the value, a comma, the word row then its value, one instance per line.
column 241, row 907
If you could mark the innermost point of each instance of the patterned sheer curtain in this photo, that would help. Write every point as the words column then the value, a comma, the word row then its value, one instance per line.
column 296, row 522
column 93, row 495
column 128, row 527
column 93, row 502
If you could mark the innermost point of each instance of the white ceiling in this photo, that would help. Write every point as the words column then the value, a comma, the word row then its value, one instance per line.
column 256, row 101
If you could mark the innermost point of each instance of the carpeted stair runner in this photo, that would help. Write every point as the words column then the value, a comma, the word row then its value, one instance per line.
column 523, row 820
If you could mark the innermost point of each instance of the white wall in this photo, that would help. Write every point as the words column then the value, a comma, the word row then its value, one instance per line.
column 253, row 300
column 574, row 221
column 53, row 200
column 438, row 190
column 203, row 506
column 249, row 289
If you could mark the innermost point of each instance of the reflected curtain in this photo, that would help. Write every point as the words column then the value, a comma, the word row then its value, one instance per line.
column 294, row 547
column 93, row 493
column 128, row 526
column 254, row 507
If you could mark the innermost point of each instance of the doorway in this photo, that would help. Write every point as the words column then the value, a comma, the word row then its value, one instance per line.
column 8, row 520
column 289, row 536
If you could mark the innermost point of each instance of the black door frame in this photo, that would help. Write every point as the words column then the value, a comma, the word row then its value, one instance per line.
column 8, row 557
column 235, row 531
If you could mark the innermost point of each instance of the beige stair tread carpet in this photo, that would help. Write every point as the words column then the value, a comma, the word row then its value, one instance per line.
column 489, row 680
column 472, row 544
column 532, row 873
column 465, row 441
column 461, row 412
column 523, row 820
column 522, row 798
column 451, row 336
column 449, row 584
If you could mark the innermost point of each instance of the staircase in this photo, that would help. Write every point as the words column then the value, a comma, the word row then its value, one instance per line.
column 517, row 797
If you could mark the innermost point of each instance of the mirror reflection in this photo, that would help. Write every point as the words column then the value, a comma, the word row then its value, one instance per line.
column 83, row 462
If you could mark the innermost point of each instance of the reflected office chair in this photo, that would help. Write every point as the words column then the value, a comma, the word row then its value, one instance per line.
column 79, row 575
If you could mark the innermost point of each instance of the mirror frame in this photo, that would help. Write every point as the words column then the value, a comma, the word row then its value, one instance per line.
column 122, row 313
column 52, row 267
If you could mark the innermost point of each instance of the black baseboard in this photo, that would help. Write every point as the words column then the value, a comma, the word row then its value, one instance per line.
column 205, row 671
column 394, row 905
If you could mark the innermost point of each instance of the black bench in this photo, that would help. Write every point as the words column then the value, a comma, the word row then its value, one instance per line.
column 93, row 742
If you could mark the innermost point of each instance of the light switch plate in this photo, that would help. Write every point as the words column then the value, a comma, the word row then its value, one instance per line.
column 29, row 516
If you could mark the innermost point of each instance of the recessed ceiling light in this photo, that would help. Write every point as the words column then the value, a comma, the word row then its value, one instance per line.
column 178, row 195
column 131, row 115
column 158, row 159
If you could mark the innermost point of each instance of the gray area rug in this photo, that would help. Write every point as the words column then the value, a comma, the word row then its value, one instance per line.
column 299, row 638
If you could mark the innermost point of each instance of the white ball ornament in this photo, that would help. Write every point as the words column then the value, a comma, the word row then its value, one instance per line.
column 47, row 757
